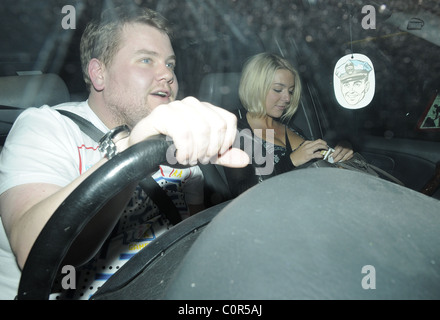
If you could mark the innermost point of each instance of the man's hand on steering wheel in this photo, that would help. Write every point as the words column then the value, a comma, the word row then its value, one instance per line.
column 201, row 132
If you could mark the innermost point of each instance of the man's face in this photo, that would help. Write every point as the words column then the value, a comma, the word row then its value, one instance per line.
column 141, row 74
column 354, row 90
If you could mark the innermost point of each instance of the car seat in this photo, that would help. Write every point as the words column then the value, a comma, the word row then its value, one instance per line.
column 220, row 89
column 25, row 91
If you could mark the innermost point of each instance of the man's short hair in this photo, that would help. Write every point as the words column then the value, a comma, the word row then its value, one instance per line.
column 101, row 37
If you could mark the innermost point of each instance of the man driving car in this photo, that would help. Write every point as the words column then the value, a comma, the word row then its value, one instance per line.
column 128, row 64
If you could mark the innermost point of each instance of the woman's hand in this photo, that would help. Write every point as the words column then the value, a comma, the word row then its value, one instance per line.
column 307, row 151
column 343, row 151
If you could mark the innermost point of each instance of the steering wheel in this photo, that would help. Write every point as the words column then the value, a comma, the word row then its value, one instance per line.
column 80, row 207
column 307, row 234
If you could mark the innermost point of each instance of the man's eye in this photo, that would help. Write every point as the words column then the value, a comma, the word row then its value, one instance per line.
column 146, row 60
column 172, row 66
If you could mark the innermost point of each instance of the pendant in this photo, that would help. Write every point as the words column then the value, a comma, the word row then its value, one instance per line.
column 354, row 81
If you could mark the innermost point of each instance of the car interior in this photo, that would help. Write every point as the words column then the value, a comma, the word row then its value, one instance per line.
column 234, row 249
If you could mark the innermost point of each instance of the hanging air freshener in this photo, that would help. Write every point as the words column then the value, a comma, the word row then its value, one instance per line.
column 354, row 81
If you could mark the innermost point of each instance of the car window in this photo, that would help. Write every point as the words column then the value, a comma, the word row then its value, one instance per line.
column 399, row 37
column 401, row 42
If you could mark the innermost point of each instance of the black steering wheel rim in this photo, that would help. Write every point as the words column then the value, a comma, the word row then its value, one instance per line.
column 54, row 241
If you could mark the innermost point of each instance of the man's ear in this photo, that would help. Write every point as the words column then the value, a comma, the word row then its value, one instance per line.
column 96, row 74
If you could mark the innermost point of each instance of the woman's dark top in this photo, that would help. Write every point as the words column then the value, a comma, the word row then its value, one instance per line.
column 261, row 153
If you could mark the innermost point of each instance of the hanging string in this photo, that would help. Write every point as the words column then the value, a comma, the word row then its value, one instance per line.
column 351, row 34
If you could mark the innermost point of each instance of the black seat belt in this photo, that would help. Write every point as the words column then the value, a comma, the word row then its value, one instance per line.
column 161, row 199
column 86, row 126
column 149, row 185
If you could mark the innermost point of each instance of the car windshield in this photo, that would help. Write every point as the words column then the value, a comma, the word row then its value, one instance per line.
column 399, row 37
column 370, row 89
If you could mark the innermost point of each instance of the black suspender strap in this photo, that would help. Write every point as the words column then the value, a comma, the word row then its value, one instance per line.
column 149, row 185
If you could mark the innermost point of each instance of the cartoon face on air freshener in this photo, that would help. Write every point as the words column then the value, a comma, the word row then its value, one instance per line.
column 354, row 81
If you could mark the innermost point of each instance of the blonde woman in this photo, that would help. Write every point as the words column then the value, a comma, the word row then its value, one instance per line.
column 269, row 91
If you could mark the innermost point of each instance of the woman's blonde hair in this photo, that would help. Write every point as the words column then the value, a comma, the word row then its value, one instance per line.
column 256, row 80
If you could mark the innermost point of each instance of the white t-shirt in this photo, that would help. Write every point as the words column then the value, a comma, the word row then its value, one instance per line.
column 47, row 147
